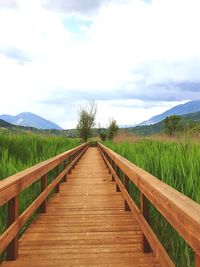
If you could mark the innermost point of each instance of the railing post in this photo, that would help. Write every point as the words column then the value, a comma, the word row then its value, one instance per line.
column 75, row 155
column 145, row 211
column 72, row 158
column 44, row 184
column 117, row 172
column 105, row 155
column 126, row 184
column 65, row 166
column 108, row 158
column 112, row 164
column 69, row 161
column 197, row 260
column 13, row 208
column 57, row 173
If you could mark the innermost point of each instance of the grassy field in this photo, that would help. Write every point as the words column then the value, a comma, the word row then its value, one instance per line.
column 178, row 165
column 20, row 151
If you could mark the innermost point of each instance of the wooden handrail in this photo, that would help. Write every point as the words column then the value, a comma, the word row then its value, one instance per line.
column 13, row 185
column 180, row 211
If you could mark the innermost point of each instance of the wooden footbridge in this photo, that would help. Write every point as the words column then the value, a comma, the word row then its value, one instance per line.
column 91, row 220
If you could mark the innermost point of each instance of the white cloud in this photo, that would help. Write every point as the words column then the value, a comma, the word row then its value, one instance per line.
column 130, row 50
column 130, row 112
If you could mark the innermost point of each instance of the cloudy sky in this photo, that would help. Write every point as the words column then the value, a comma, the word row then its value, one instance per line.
column 136, row 58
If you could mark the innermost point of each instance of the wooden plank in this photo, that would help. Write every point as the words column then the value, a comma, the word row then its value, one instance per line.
column 100, row 260
column 155, row 244
column 90, row 228
column 13, row 209
column 14, row 228
column 180, row 211
column 13, row 185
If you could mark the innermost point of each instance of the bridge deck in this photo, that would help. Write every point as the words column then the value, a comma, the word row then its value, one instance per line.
column 85, row 225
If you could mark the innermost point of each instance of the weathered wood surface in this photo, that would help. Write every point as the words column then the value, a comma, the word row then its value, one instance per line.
column 85, row 224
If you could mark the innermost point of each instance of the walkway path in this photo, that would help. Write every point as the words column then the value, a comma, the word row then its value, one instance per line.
column 85, row 225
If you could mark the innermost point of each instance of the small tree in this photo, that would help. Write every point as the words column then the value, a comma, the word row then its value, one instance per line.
column 173, row 124
column 86, row 120
column 112, row 129
column 103, row 135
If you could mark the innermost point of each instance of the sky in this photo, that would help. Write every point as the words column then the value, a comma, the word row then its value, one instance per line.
column 135, row 58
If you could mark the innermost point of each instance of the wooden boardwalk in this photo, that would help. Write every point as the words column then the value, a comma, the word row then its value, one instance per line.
column 85, row 224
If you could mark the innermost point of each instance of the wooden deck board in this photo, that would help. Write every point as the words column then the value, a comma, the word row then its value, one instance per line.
column 85, row 224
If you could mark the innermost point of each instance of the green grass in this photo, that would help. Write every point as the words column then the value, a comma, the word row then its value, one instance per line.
column 20, row 151
column 178, row 165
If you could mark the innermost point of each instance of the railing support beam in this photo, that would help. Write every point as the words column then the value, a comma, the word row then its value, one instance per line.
column 65, row 166
column 112, row 164
column 57, row 190
column 13, row 209
column 126, row 184
column 70, row 160
column 145, row 211
column 117, row 172
column 197, row 260
column 44, row 184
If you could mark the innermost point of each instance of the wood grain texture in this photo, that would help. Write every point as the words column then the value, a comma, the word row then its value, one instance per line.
column 85, row 224
column 13, row 209
column 12, row 231
column 180, row 211
column 197, row 260
column 13, row 185
column 154, row 242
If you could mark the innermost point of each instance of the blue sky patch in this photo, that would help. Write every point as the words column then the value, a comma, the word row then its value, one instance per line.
column 148, row 1
column 74, row 25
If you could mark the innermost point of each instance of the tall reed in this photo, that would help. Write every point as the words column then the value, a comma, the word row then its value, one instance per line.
column 178, row 165
column 20, row 151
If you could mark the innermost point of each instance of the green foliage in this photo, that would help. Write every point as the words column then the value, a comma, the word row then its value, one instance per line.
column 93, row 143
column 10, row 128
column 86, row 121
column 5, row 124
column 103, row 135
column 112, row 129
column 173, row 124
column 146, row 129
column 190, row 122
column 178, row 165
column 20, row 151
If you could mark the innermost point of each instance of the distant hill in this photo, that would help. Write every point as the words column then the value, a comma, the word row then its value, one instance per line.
column 189, row 107
column 192, row 116
column 147, row 129
column 159, row 127
column 28, row 119
column 5, row 124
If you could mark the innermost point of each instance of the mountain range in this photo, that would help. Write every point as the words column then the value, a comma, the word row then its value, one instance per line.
column 189, row 110
column 159, row 126
column 28, row 119
column 189, row 107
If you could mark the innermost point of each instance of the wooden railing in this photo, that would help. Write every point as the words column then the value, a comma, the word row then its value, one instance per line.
column 11, row 187
column 180, row 211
